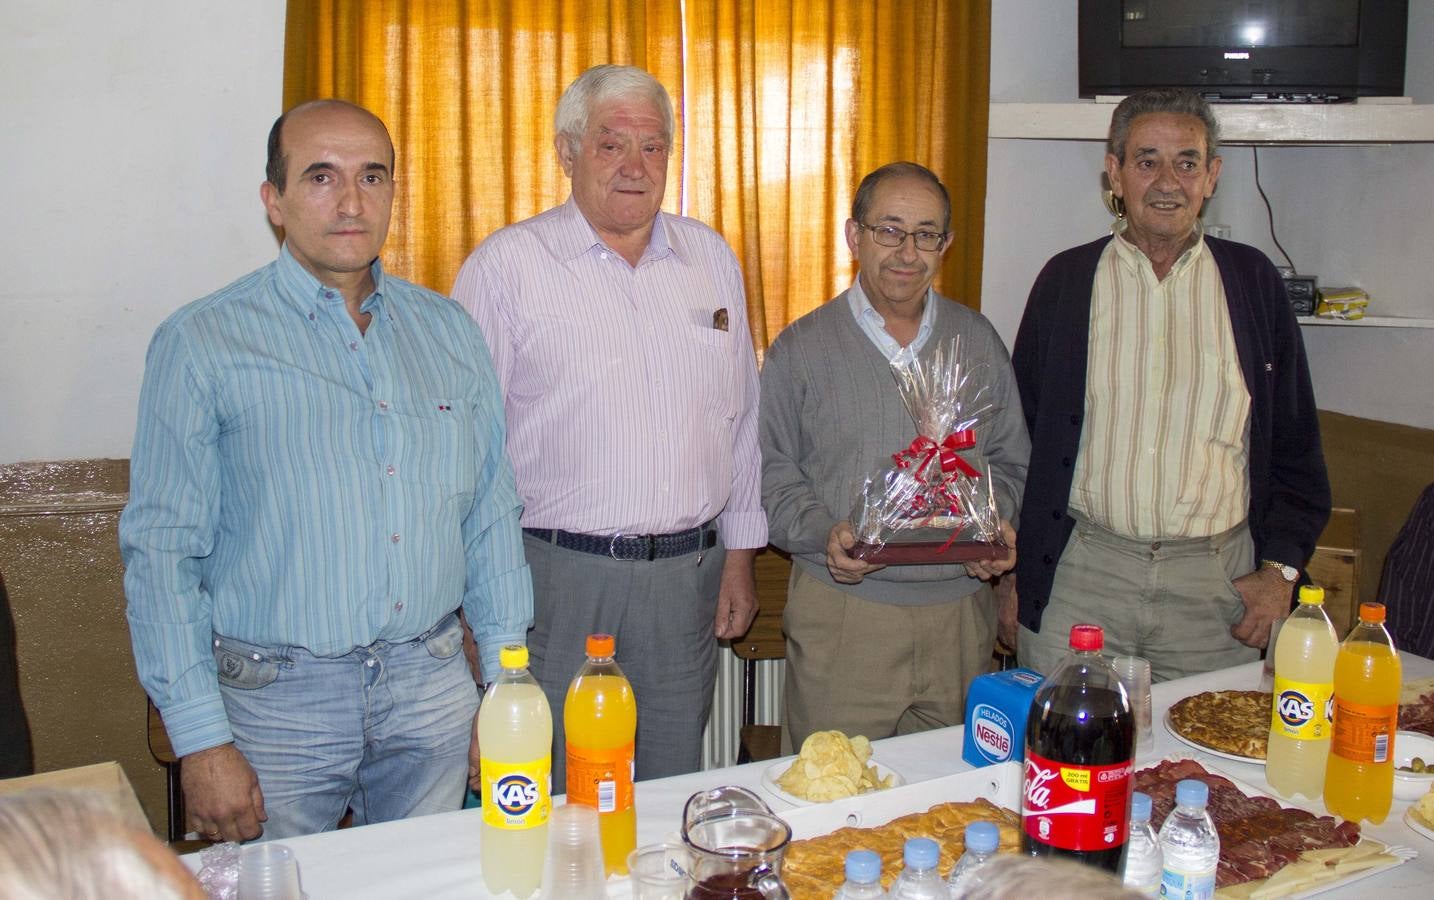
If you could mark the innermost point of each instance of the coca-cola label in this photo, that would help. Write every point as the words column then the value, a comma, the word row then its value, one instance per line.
column 1075, row 807
column 992, row 733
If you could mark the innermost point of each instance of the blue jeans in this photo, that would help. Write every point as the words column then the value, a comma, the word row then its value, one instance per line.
column 382, row 730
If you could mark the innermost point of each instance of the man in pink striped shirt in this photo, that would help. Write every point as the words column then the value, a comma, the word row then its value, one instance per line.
column 619, row 333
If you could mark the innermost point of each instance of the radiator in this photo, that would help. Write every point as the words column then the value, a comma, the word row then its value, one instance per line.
column 724, row 728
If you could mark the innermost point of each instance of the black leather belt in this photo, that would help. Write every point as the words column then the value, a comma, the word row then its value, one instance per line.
column 632, row 547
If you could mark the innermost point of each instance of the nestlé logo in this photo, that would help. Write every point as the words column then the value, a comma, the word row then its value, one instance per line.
column 992, row 733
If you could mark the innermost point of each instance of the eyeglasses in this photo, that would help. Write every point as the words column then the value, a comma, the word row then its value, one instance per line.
column 891, row 236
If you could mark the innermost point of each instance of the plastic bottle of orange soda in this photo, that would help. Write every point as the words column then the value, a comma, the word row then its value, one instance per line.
column 600, row 718
column 1359, row 780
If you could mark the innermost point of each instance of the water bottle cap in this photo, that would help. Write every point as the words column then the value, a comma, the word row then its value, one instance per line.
column 1312, row 595
column 601, row 645
column 1087, row 637
column 513, row 656
column 1372, row 613
column 1139, row 807
column 1190, row 792
column 863, row 866
column 982, row 837
column 921, row 853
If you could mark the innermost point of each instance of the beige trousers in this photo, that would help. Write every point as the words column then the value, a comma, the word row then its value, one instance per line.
column 877, row 669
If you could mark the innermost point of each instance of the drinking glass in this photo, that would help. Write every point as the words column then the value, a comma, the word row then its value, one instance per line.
column 659, row 871
column 1134, row 673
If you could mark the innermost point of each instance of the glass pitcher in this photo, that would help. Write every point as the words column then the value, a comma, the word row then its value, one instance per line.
column 737, row 845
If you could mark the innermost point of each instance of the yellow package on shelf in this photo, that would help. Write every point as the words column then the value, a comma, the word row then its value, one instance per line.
column 1346, row 303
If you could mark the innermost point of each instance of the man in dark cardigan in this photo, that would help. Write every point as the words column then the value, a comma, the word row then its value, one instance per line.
column 1176, row 485
column 16, row 757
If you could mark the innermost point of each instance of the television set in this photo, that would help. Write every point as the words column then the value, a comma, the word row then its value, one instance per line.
column 1264, row 51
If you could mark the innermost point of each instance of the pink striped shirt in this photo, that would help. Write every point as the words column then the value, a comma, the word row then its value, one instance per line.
column 628, row 412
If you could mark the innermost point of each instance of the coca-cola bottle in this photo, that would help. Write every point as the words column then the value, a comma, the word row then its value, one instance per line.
column 1080, row 740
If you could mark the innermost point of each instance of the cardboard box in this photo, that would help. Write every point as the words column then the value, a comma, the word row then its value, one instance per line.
column 106, row 779
column 996, row 708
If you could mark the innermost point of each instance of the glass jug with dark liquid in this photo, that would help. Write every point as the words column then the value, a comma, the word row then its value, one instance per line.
column 737, row 845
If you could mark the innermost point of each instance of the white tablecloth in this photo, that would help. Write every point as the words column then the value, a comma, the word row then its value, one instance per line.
column 437, row 856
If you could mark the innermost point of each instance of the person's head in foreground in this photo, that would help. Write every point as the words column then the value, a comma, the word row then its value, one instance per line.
column 74, row 845
column 1020, row 877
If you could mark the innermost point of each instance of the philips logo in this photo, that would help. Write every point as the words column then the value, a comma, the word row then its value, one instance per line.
column 1295, row 708
column 991, row 731
column 515, row 794
column 1237, row 54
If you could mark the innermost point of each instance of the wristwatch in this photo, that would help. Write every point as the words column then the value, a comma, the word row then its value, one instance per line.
column 1288, row 573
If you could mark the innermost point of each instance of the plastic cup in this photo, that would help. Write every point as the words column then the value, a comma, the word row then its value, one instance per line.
column 659, row 872
column 1134, row 673
column 268, row 872
column 574, row 869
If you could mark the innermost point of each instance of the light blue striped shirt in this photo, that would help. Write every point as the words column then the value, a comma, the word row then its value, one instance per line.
column 294, row 482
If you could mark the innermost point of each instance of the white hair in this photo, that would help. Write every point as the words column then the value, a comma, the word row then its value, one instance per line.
column 1017, row 877
column 601, row 84
column 73, row 844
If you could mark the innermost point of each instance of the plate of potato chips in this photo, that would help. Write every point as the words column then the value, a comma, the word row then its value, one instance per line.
column 830, row 767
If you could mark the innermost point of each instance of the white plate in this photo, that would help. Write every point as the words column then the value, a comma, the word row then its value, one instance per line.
column 777, row 770
column 1417, row 824
column 1210, row 750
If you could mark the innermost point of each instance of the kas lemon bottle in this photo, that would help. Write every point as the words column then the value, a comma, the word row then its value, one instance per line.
column 1304, row 684
column 600, row 719
column 515, row 738
column 1359, row 781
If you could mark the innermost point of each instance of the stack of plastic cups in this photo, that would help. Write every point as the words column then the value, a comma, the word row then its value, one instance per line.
column 268, row 872
column 574, row 868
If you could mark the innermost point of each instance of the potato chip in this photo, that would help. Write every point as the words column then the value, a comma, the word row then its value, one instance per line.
column 832, row 766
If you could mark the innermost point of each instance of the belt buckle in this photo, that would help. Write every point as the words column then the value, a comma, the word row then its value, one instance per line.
column 612, row 548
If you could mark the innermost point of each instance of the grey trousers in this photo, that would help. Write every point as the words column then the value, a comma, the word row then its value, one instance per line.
column 661, row 612
column 1171, row 602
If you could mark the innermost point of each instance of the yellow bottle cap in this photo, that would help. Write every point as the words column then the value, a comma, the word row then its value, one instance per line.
column 513, row 656
column 1312, row 595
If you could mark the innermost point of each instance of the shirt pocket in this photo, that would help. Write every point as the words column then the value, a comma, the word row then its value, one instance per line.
column 439, row 446
column 711, row 371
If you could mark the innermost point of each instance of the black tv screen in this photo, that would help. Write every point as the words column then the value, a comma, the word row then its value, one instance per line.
column 1250, row 50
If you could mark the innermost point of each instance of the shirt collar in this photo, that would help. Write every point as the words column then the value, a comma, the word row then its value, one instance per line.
column 1133, row 256
column 577, row 236
column 874, row 326
column 304, row 290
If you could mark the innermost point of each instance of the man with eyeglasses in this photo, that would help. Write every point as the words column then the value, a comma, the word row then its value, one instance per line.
column 878, row 650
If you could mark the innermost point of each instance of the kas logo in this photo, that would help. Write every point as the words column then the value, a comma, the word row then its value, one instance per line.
column 992, row 733
column 1295, row 708
column 515, row 794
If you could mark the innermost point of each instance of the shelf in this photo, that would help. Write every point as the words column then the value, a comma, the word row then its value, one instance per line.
column 1370, row 322
column 1240, row 123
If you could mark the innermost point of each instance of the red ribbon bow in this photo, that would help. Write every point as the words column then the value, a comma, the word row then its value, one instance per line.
column 923, row 449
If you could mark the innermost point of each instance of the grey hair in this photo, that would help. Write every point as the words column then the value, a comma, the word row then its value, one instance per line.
column 866, row 191
column 1016, row 877
column 1177, row 101
column 601, row 84
column 73, row 844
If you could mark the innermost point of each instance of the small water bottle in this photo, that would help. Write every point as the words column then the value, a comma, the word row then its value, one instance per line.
column 863, row 877
column 919, row 879
column 1189, row 845
column 1142, row 850
column 981, row 841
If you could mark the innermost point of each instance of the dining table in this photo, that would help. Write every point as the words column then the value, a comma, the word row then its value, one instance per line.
column 437, row 856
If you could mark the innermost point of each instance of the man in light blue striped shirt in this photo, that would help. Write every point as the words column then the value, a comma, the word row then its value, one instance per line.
column 318, row 483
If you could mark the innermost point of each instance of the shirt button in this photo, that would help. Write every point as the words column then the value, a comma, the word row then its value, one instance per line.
column 602, row 256
column 389, row 471
column 329, row 294
column 383, row 405
column 398, row 607
column 395, row 537
column 311, row 317
column 353, row 345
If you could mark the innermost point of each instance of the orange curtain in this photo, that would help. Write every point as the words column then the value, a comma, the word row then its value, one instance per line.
column 795, row 102
column 783, row 105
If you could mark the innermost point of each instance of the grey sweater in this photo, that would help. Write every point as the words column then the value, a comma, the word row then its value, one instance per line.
column 831, row 415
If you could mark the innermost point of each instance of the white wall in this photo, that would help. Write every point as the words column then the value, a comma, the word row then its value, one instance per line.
column 1350, row 215
column 134, row 137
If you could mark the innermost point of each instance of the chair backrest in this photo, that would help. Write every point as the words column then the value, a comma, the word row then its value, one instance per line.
column 1407, row 586
column 764, row 640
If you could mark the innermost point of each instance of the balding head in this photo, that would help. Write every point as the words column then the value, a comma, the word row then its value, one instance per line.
column 276, row 169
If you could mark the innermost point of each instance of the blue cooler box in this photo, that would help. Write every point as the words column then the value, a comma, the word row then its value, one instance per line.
column 996, row 710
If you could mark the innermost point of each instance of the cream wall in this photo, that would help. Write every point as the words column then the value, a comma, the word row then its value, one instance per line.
column 1351, row 215
column 134, row 142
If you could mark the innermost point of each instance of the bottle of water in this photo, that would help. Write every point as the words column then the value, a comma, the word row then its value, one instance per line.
column 919, row 879
column 1142, row 869
column 981, row 841
column 1189, row 845
column 863, row 877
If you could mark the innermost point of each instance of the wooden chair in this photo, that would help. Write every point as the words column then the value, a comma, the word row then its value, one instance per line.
column 1335, row 567
column 763, row 640
column 163, row 753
